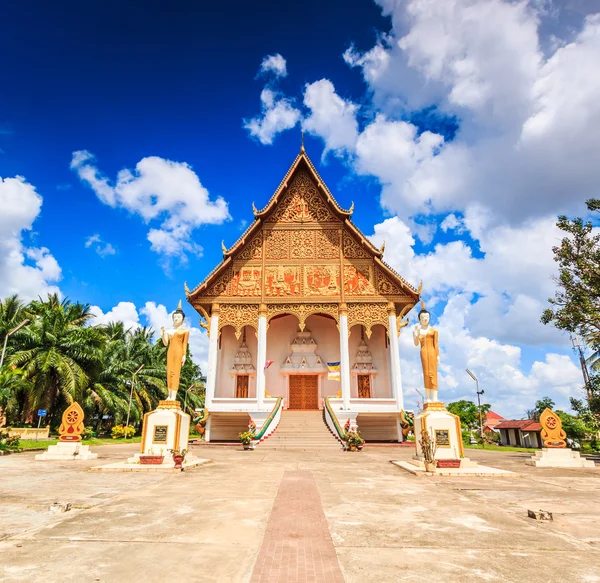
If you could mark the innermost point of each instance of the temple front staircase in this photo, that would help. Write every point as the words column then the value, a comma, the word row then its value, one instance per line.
column 301, row 430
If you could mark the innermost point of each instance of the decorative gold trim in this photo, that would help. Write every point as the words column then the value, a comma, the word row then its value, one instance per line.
column 302, row 311
column 238, row 316
column 168, row 405
column 434, row 406
column 369, row 315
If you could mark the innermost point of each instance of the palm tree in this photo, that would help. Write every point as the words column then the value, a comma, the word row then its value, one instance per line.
column 57, row 353
column 123, row 354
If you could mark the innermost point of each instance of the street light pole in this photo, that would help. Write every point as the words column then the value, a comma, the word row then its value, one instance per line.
column 479, row 393
column 186, row 394
column 422, row 399
column 584, row 370
column 130, row 397
column 10, row 333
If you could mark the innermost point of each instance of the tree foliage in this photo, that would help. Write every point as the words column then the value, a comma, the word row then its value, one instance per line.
column 575, row 307
column 468, row 412
column 60, row 357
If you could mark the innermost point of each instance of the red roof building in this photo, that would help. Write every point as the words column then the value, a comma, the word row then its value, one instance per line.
column 521, row 433
column 491, row 421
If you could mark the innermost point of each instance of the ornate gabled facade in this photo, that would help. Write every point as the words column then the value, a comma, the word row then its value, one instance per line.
column 302, row 256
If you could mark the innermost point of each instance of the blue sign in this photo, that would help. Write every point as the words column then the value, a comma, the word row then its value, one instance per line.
column 41, row 412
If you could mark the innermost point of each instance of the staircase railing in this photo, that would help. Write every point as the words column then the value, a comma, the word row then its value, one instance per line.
column 333, row 420
column 275, row 413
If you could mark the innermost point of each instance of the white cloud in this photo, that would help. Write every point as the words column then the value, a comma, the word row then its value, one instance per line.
column 158, row 190
column 512, row 280
column 274, row 64
column 332, row 118
column 125, row 312
column 156, row 315
column 101, row 247
column 498, row 366
column 277, row 115
column 28, row 271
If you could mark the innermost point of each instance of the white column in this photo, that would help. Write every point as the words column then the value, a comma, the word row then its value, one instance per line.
column 213, row 349
column 261, row 358
column 344, row 358
column 395, row 360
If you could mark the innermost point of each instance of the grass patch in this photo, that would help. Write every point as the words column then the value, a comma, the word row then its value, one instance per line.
column 26, row 444
column 494, row 447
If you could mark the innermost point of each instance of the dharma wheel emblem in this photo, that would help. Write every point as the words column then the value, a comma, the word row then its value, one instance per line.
column 72, row 425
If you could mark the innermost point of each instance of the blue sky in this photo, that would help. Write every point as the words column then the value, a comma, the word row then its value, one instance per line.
column 460, row 130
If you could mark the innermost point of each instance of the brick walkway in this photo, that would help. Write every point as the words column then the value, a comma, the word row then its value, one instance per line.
column 297, row 547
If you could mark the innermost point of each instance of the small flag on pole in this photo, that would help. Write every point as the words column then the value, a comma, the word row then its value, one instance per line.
column 334, row 371
column 268, row 363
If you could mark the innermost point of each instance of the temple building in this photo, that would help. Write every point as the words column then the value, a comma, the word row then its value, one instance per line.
column 301, row 291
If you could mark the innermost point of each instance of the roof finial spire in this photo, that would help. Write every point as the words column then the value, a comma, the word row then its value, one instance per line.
column 302, row 146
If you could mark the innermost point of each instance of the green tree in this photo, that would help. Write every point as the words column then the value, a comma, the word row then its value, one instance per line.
column 468, row 412
column 123, row 353
column 576, row 305
column 540, row 405
column 57, row 352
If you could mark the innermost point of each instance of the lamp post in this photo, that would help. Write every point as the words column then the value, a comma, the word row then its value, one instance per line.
column 130, row 397
column 479, row 393
column 422, row 400
column 186, row 394
column 584, row 371
column 10, row 333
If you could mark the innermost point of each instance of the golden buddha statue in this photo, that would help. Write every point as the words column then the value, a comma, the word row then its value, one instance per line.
column 427, row 337
column 177, row 341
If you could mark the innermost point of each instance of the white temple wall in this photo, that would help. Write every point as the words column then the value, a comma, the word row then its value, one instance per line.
column 280, row 334
column 225, row 387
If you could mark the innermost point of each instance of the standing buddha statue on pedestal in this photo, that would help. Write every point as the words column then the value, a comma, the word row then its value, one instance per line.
column 177, row 341
column 426, row 336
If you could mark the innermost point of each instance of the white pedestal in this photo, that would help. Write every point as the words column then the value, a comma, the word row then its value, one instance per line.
column 165, row 428
column 443, row 428
column 562, row 457
column 67, row 450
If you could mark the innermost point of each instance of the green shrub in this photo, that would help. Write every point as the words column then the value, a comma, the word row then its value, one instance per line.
column 120, row 431
column 88, row 432
column 8, row 442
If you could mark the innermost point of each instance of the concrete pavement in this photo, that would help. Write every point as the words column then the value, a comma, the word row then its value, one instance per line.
column 209, row 524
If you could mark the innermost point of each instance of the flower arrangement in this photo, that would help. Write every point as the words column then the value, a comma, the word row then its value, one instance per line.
column 352, row 437
column 246, row 438
column 178, row 457
column 428, row 448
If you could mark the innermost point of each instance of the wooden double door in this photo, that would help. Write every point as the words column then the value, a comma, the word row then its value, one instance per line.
column 304, row 391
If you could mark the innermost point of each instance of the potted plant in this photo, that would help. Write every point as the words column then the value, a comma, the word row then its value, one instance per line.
column 246, row 438
column 178, row 457
column 354, row 441
column 151, row 459
column 428, row 448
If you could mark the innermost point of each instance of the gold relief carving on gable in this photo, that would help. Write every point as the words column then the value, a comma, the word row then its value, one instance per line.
column 302, row 203
column 322, row 280
column 246, row 281
column 302, row 311
column 328, row 244
column 277, row 244
column 222, row 286
column 358, row 279
column 352, row 249
column 385, row 286
column 238, row 316
column 302, row 244
column 367, row 314
column 252, row 250
column 283, row 281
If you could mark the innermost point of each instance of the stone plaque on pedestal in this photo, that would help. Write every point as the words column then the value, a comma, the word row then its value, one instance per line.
column 165, row 428
column 443, row 427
